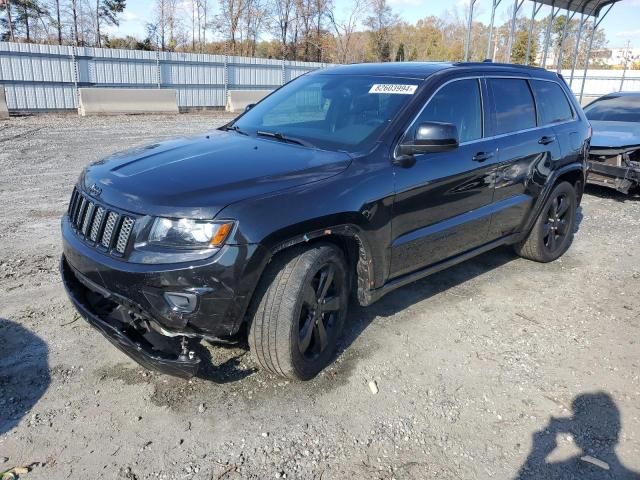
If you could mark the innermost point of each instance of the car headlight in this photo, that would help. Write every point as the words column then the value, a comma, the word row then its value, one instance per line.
column 187, row 233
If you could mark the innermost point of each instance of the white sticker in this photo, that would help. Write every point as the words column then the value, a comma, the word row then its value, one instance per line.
column 393, row 88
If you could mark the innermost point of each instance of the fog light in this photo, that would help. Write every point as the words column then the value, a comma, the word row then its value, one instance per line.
column 181, row 302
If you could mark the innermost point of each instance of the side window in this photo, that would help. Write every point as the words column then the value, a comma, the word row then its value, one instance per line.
column 553, row 106
column 459, row 103
column 515, row 109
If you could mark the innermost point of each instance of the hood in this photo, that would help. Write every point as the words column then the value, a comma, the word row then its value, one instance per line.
column 197, row 177
column 615, row 135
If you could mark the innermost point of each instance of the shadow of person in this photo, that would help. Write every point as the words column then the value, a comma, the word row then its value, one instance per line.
column 24, row 372
column 595, row 428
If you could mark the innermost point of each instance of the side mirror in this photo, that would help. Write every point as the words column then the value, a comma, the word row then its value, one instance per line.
column 249, row 107
column 430, row 137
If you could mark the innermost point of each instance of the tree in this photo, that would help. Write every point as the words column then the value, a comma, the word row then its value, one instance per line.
column 231, row 13
column 345, row 30
column 107, row 11
column 519, row 50
column 380, row 22
column 283, row 14
column 400, row 53
column 7, row 23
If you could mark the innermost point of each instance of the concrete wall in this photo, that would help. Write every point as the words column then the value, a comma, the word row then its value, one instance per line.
column 238, row 100
column 117, row 101
column 4, row 112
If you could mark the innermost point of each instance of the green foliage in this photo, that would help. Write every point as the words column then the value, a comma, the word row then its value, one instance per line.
column 108, row 10
column 400, row 53
column 519, row 51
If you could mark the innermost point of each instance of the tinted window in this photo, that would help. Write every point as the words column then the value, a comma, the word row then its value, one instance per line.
column 615, row 108
column 514, row 105
column 458, row 103
column 553, row 106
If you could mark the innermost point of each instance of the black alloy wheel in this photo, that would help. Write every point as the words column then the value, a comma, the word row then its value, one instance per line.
column 556, row 228
column 322, row 303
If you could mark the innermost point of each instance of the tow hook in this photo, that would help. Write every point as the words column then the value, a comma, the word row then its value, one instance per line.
column 185, row 353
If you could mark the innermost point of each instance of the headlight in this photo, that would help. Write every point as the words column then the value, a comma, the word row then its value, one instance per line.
column 186, row 233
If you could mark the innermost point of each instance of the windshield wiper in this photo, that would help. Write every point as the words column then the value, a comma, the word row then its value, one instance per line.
column 234, row 128
column 284, row 138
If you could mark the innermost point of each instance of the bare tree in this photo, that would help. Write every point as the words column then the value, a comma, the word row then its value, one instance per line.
column 231, row 12
column 380, row 22
column 283, row 13
column 345, row 29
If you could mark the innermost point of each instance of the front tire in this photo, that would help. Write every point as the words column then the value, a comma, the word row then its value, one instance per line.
column 299, row 311
column 552, row 234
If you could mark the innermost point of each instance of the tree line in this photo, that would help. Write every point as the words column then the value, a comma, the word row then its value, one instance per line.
column 308, row 30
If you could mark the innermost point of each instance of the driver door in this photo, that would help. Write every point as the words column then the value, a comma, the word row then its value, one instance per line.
column 443, row 201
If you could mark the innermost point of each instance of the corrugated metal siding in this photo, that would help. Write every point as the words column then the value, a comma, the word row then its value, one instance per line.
column 45, row 77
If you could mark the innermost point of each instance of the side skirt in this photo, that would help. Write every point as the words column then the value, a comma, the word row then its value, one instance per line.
column 391, row 285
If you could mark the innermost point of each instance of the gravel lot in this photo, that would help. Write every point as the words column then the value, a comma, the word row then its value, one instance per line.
column 497, row 368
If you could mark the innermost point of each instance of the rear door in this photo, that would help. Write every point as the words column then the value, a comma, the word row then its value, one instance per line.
column 526, row 150
column 555, row 110
column 438, row 207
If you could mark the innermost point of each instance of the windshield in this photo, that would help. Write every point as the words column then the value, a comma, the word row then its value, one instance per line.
column 615, row 108
column 330, row 112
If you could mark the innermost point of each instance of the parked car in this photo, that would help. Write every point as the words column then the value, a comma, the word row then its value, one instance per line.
column 353, row 180
column 614, row 157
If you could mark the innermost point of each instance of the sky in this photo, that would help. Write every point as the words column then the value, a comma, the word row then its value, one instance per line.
column 622, row 24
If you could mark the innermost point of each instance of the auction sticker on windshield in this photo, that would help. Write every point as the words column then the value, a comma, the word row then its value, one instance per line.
column 393, row 88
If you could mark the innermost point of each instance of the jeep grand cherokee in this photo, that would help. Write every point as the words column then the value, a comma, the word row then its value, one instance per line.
column 352, row 180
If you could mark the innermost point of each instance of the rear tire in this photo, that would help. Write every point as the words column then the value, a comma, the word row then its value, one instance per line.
column 299, row 311
column 552, row 234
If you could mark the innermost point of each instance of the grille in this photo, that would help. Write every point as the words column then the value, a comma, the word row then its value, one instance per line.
column 98, row 225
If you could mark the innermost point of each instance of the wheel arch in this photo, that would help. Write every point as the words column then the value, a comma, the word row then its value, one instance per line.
column 352, row 241
column 573, row 173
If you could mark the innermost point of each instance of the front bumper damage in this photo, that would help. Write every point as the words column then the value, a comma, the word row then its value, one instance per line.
column 617, row 168
column 127, row 302
column 125, row 330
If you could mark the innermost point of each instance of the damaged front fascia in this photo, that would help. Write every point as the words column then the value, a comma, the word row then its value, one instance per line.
column 615, row 167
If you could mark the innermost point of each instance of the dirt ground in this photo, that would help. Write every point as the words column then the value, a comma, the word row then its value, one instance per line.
column 497, row 368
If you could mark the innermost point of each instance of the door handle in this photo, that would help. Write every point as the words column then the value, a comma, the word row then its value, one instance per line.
column 482, row 156
column 546, row 140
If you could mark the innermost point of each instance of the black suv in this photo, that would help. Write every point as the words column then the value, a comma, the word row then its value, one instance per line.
column 356, row 179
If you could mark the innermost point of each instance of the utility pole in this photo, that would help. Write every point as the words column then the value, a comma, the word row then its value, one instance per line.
column 626, row 57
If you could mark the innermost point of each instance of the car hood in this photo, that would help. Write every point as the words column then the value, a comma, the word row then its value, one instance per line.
column 615, row 135
column 197, row 177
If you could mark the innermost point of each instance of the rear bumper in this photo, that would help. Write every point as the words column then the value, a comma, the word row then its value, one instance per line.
column 134, row 345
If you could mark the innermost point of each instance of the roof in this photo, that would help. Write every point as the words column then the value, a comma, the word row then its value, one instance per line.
column 422, row 70
column 588, row 7
column 418, row 70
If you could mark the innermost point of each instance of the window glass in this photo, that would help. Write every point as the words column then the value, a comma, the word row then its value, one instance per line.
column 459, row 103
column 615, row 108
column 552, row 102
column 514, row 105
column 332, row 112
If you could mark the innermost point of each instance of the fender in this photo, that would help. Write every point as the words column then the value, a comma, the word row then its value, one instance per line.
column 551, row 182
column 364, row 266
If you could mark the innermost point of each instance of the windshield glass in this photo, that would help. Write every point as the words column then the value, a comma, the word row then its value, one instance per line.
column 620, row 108
column 330, row 112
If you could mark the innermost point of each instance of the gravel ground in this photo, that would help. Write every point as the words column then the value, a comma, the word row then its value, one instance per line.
column 496, row 368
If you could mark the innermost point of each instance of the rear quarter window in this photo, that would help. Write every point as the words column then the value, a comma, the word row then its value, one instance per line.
column 514, row 105
column 553, row 106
